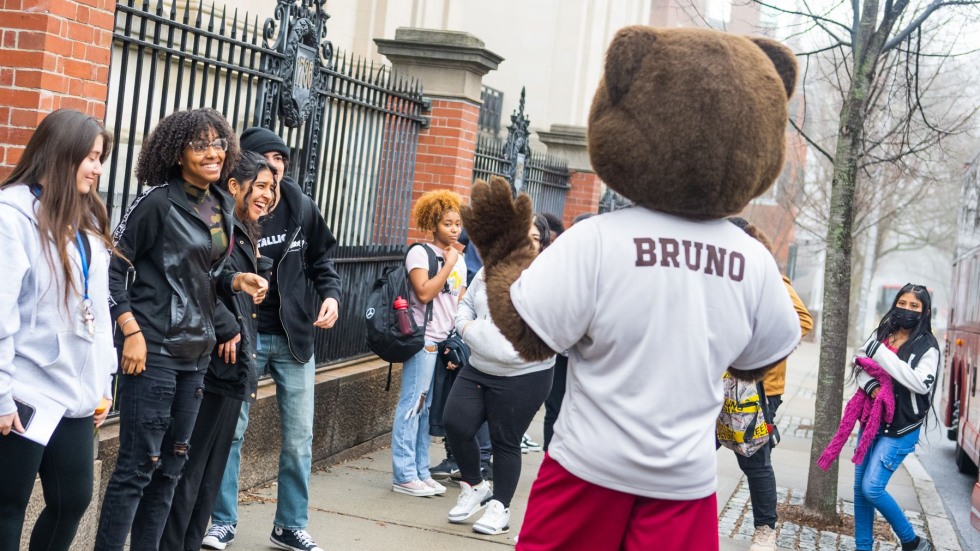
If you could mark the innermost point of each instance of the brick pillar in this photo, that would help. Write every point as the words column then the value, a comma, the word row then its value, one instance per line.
column 570, row 142
column 56, row 54
column 450, row 65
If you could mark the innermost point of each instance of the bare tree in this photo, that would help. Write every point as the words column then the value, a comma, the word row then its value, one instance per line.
column 880, row 104
column 892, row 115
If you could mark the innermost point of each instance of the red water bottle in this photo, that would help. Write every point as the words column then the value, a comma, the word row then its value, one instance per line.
column 401, row 316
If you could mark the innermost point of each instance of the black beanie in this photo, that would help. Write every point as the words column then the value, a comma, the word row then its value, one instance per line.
column 262, row 140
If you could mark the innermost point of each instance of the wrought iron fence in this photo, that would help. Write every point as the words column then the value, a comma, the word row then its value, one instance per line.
column 543, row 177
column 352, row 127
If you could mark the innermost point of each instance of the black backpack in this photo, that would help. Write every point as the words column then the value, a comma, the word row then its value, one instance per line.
column 383, row 336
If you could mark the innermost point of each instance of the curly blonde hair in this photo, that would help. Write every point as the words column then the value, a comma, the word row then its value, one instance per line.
column 431, row 207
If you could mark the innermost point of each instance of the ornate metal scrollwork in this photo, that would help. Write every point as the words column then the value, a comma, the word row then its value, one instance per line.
column 306, row 56
column 517, row 151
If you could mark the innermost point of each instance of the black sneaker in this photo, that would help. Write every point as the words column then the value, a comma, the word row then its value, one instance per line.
column 294, row 540
column 219, row 536
column 444, row 470
column 486, row 470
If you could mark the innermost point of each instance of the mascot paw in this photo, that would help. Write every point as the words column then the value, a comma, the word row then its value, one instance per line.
column 496, row 222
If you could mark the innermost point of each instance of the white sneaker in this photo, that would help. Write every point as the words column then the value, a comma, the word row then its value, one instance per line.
column 415, row 488
column 495, row 521
column 764, row 539
column 528, row 445
column 471, row 499
column 439, row 489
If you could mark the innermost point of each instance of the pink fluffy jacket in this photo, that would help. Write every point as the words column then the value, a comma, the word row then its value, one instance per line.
column 869, row 411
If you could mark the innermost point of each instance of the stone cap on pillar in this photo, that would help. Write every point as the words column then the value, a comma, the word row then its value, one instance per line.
column 449, row 64
column 570, row 142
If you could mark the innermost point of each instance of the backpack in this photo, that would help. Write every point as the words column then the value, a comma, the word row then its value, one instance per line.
column 742, row 426
column 383, row 336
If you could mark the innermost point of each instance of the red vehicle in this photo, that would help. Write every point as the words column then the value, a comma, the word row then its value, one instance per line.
column 960, row 398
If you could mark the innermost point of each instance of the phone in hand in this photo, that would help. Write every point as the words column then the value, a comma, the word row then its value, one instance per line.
column 25, row 412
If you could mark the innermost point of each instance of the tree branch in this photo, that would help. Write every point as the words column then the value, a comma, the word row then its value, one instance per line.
column 918, row 21
column 811, row 142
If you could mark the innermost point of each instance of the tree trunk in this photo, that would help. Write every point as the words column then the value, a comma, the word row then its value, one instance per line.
column 821, row 491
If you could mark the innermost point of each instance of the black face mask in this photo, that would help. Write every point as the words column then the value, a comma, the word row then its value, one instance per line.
column 905, row 318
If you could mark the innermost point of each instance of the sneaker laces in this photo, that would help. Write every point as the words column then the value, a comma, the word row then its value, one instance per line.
column 221, row 530
column 304, row 537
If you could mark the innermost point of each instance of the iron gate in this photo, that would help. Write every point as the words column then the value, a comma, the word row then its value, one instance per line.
column 352, row 128
column 543, row 177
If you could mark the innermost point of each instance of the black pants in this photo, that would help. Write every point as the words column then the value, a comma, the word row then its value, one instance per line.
column 198, row 486
column 552, row 405
column 65, row 466
column 157, row 412
column 508, row 405
column 760, row 476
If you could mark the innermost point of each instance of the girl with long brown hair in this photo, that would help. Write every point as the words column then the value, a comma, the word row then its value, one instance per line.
column 56, row 355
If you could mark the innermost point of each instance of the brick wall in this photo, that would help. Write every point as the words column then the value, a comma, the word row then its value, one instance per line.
column 56, row 55
column 583, row 196
column 446, row 152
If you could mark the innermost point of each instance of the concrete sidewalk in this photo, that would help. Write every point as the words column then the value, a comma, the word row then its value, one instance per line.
column 352, row 505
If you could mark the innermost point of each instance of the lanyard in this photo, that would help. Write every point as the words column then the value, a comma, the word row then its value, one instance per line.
column 85, row 263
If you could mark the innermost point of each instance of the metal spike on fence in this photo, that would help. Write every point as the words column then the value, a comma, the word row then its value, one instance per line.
column 187, row 12
column 234, row 25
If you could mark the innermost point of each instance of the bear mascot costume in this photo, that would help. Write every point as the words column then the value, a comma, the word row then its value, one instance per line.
column 654, row 302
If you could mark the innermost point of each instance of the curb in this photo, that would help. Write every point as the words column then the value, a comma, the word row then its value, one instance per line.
column 941, row 530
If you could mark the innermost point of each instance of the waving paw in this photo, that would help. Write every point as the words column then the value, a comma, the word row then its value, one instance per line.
column 496, row 222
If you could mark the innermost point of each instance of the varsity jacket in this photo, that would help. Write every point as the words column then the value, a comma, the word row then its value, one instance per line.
column 240, row 379
column 914, row 371
column 168, row 279
column 306, row 258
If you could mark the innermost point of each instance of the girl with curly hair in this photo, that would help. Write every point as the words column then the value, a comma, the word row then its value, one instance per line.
column 163, row 295
column 436, row 212
column 227, row 384
column 56, row 356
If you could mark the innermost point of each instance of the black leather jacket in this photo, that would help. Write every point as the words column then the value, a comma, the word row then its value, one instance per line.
column 174, row 286
column 240, row 379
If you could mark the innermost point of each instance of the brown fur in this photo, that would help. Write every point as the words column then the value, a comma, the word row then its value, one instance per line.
column 498, row 225
column 691, row 121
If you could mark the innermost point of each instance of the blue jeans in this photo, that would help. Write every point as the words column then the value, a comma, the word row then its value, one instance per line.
column 410, row 430
column 294, row 393
column 870, row 479
column 157, row 411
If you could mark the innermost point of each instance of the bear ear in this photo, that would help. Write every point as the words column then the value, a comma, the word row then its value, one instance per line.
column 784, row 60
column 623, row 58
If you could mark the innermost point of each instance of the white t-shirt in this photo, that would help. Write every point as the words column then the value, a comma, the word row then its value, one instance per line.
column 444, row 304
column 652, row 308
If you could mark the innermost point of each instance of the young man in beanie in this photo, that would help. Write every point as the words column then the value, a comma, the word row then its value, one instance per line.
column 295, row 236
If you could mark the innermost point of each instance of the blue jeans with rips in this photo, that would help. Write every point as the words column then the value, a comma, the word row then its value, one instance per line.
column 157, row 412
column 410, row 430
column 870, row 479
column 294, row 393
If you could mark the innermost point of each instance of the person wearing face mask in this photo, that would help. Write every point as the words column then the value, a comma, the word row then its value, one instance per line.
column 904, row 347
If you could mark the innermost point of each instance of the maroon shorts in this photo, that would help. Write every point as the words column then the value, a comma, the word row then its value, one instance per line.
column 567, row 513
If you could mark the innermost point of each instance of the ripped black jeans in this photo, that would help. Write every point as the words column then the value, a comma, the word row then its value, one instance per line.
column 157, row 411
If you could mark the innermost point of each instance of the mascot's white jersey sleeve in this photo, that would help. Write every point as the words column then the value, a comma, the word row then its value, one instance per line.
column 652, row 309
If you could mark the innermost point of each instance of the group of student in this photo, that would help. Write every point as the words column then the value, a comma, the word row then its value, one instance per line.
column 205, row 284
column 189, row 298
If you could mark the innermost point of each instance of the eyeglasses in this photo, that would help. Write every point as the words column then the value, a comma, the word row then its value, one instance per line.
column 201, row 146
